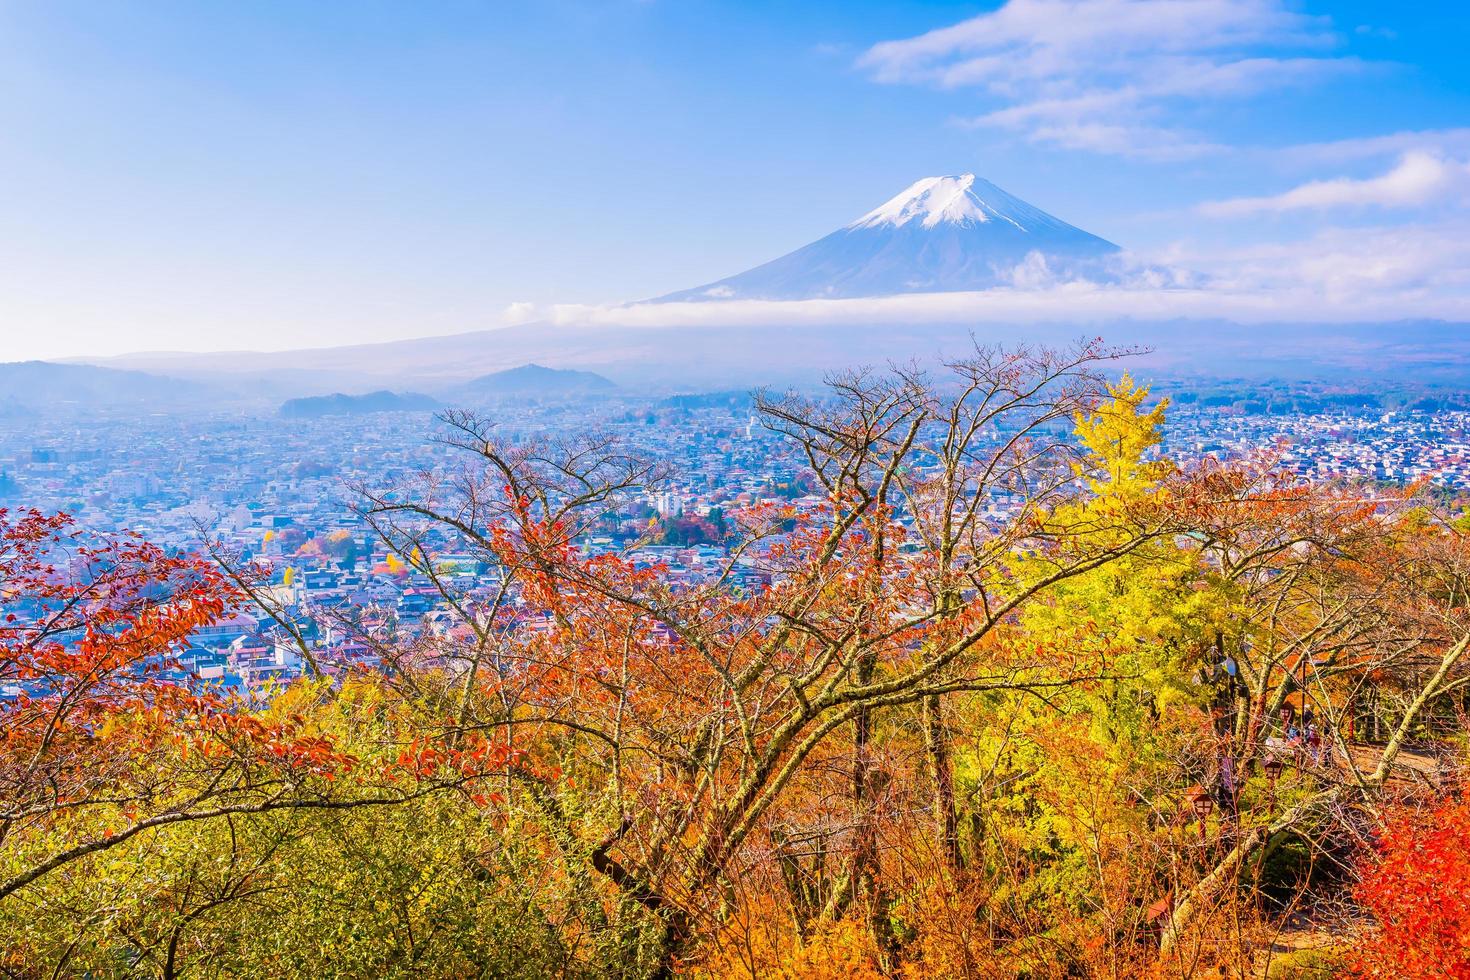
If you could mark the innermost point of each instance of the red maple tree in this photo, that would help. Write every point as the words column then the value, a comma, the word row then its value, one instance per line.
column 1418, row 888
column 98, row 739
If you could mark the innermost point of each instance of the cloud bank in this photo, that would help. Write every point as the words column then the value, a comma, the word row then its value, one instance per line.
column 1340, row 275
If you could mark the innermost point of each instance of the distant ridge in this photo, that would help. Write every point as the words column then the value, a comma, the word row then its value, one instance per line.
column 941, row 234
column 535, row 380
column 26, row 386
column 340, row 404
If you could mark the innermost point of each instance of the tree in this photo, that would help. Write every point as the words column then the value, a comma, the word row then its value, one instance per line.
column 696, row 722
column 1417, row 886
column 102, row 741
column 945, row 712
column 1343, row 593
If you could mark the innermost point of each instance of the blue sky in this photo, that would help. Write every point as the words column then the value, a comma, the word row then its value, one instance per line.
column 270, row 175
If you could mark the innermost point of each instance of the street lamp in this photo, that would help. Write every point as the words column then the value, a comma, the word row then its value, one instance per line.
column 1202, row 803
column 1273, row 766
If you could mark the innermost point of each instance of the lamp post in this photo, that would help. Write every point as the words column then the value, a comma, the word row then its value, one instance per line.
column 1202, row 803
column 1272, row 766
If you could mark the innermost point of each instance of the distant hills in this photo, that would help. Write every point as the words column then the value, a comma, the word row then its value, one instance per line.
column 941, row 234
column 713, row 357
column 533, row 380
column 30, row 386
column 340, row 404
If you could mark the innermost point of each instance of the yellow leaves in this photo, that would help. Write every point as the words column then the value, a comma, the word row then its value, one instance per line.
column 1118, row 435
column 288, row 577
column 761, row 946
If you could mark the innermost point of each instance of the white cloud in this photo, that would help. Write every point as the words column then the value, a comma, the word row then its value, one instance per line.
column 1411, row 265
column 1101, row 74
column 1033, row 272
column 1063, row 39
column 1336, row 276
column 1419, row 178
column 1440, row 142
column 517, row 313
column 1137, row 140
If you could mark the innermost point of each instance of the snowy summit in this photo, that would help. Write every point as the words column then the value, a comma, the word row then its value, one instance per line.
column 963, row 199
column 941, row 234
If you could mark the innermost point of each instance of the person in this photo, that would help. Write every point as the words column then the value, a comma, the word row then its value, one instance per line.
column 1314, row 741
column 1227, row 794
column 1324, row 747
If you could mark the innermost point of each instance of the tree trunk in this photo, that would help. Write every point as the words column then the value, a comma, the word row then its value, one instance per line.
column 941, row 772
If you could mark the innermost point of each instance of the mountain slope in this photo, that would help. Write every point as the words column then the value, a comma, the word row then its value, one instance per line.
column 27, row 386
column 340, row 404
column 535, row 380
column 941, row 234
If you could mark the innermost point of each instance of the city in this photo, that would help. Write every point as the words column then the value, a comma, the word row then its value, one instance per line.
column 284, row 492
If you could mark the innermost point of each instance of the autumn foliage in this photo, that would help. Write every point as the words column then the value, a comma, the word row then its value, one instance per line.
column 1417, row 886
column 105, row 739
column 1008, row 693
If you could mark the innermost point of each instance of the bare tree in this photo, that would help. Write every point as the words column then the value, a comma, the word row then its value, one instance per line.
column 733, row 697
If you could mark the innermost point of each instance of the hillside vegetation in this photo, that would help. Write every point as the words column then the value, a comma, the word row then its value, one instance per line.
column 1015, row 697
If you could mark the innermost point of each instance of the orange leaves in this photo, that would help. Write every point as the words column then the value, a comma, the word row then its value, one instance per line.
column 89, row 625
column 95, row 608
column 421, row 760
column 90, row 631
column 470, row 758
column 213, row 730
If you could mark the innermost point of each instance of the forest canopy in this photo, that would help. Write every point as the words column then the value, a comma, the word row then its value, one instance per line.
column 1005, row 692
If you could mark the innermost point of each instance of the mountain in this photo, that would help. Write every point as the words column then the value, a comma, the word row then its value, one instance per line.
column 942, row 234
column 340, row 404
column 31, row 386
column 535, row 380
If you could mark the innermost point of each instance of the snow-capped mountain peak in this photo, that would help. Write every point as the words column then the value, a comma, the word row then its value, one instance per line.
column 958, row 232
column 958, row 199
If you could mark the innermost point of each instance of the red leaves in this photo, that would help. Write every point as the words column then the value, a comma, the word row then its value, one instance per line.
column 89, row 629
column 1419, row 891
